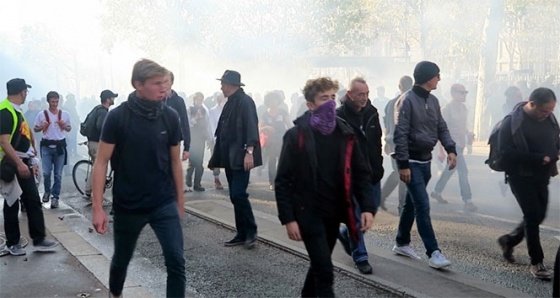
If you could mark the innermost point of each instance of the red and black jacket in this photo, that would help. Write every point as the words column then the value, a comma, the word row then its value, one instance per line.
column 296, row 178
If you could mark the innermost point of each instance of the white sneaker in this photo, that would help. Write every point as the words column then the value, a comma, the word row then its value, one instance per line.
column 438, row 260
column 406, row 251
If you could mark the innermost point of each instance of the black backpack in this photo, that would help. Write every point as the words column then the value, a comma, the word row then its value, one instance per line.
column 495, row 157
column 87, row 127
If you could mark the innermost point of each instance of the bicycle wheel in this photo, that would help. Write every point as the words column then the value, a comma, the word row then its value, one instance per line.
column 80, row 174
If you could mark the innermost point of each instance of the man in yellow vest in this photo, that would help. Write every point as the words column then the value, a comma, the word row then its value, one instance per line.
column 15, row 143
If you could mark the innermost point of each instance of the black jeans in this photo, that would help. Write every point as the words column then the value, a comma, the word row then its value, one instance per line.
column 238, row 180
column 273, row 150
column 166, row 224
column 32, row 202
column 319, row 236
column 196, row 158
column 532, row 195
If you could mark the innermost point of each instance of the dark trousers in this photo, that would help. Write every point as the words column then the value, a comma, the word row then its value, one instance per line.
column 166, row 224
column 273, row 151
column 32, row 202
column 531, row 194
column 238, row 180
column 196, row 158
column 391, row 183
column 319, row 236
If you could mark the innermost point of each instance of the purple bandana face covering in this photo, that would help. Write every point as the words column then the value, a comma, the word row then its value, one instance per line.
column 323, row 119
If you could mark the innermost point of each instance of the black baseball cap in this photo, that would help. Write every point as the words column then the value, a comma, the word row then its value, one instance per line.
column 108, row 94
column 16, row 85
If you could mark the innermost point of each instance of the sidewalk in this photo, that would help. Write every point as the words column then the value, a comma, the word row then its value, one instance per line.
column 401, row 276
column 75, row 269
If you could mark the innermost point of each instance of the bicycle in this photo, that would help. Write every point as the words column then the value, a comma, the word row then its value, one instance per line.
column 85, row 166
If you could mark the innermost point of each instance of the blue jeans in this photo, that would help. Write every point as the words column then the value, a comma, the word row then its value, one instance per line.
column 238, row 180
column 417, row 204
column 359, row 251
column 463, row 177
column 52, row 161
column 166, row 224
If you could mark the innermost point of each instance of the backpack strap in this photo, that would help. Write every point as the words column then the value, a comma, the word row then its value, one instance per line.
column 46, row 115
column 59, row 114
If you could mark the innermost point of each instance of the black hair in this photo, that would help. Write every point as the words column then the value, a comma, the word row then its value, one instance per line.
column 542, row 96
column 52, row 94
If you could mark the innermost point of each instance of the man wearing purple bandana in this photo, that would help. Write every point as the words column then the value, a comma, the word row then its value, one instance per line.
column 320, row 168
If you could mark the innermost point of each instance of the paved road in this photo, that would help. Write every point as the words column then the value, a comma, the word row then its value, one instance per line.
column 468, row 239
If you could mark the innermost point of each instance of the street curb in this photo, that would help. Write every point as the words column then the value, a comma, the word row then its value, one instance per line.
column 91, row 258
column 372, row 280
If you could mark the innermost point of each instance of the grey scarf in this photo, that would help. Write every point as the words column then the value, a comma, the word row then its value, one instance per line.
column 148, row 109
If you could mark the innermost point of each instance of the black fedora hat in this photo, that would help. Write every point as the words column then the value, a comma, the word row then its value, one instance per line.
column 231, row 77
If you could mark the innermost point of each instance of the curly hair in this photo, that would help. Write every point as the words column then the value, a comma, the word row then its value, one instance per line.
column 314, row 86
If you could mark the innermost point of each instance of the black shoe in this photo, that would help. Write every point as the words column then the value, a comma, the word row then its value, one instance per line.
column 507, row 251
column 250, row 242
column 46, row 197
column 45, row 245
column 235, row 241
column 364, row 267
column 199, row 188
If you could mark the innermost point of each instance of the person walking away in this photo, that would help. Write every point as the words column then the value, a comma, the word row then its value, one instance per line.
column 418, row 128
column 15, row 149
column 238, row 150
column 529, row 143
column 141, row 137
column 393, row 181
column 200, row 137
column 273, row 124
column 320, row 169
column 455, row 114
column 362, row 117
column 53, row 122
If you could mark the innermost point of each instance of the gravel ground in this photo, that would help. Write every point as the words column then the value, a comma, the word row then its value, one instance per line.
column 468, row 240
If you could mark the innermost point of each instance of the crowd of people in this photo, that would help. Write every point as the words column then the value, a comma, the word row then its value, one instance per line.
column 324, row 157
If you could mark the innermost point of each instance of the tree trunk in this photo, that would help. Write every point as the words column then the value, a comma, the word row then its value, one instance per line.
column 487, row 65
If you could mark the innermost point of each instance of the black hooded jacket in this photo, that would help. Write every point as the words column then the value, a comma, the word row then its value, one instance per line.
column 297, row 178
column 367, row 128
column 237, row 129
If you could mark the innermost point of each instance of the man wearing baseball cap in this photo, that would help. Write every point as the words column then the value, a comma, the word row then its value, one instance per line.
column 95, row 119
column 419, row 126
column 15, row 147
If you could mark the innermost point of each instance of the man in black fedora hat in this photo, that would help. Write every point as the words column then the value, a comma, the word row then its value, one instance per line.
column 237, row 149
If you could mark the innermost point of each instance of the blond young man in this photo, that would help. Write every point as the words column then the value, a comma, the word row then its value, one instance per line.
column 142, row 139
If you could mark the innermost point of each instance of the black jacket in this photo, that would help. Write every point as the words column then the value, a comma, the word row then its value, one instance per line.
column 237, row 129
column 178, row 104
column 368, row 130
column 515, row 149
column 296, row 178
column 419, row 125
